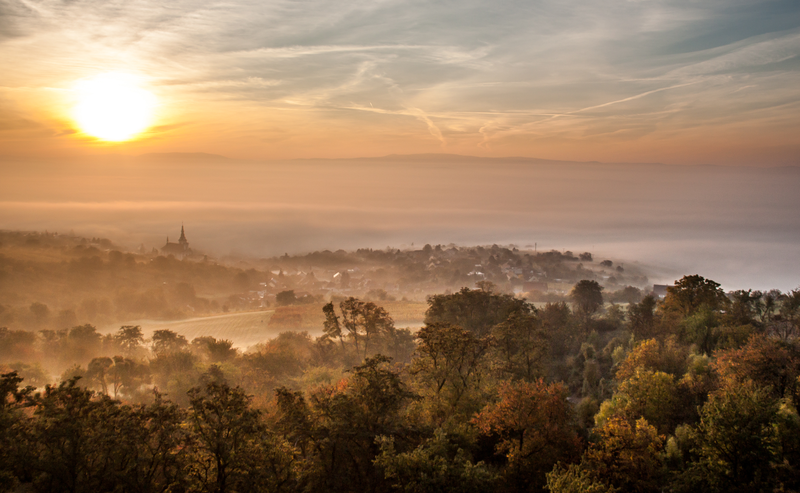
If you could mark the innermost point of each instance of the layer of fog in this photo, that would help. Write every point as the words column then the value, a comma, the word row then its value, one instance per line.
column 736, row 225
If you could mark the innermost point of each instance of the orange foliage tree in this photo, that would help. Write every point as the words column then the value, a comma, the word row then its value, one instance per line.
column 536, row 428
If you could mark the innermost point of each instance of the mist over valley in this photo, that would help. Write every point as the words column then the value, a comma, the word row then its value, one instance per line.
column 734, row 224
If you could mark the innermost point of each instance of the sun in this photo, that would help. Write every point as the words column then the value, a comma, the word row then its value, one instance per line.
column 113, row 107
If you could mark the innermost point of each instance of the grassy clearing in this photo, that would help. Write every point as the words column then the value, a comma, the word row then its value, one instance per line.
column 246, row 329
column 406, row 313
column 310, row 317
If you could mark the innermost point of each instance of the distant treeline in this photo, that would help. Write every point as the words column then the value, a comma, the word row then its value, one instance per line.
column 54, row 282
column 695, row 392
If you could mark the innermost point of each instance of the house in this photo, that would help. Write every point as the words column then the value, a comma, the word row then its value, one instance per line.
column 660, row 290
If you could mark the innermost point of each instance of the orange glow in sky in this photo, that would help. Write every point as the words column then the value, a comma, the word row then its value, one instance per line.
column 671, row 81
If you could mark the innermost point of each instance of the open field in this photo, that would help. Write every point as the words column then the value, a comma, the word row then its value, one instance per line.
column 246, row 329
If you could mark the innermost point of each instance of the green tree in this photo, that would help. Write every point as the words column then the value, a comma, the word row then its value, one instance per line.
column 587, row 298
column 364, row 322
column 223, row 428
column 438, row 465
column 14, row 450
column 450, row 365
column 702, row 328
column 787, row 327
column 646, row 394
column 130, row 339
column 642, row 320
column 174, row 374
column 474, row 310
column 626, row 456
column 79, row 442
column 737, row 441
column 215, row 350
column 336, row 433
column 692, row 292
column 166, row 341
column 574, row 479
column 559, row 325
column 520, row 347
column 744, row 307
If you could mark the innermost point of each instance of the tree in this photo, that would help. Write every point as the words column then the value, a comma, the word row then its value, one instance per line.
column 96, row 372
column 628, row 294
column 520, row 347
column 653, row 355
column 438, row 465
column 79, row 344
column 573, row 479
column 151, row 442
column 79, row 442
column 224, row 428
column 559, row 326
column 285, row 298
column 363, row 321
column 130, row 338
column 744, row 307
column 216, row 350
column 737, row 441
column 40, row 311
column 450, row 365
column 587, row 297
column 788, row 327
column 16, row 344
column 336, row 432
column 626, row 455
column 692, row 292
column 166, row 341
column 13, row 445
column 642, row 318
column 536, row 429
column 174, row 374
column 647, row 394
column 331, row 327
column 474, row 310
column 376, row 321
column 769, row 362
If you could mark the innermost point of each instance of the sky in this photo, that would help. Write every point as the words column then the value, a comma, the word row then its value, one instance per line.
column 669, row 81
column 663, row 131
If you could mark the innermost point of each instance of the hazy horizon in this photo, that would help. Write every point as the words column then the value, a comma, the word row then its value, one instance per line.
column 736, row 225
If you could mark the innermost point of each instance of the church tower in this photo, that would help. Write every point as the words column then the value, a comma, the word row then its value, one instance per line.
column 180, row 249
column 182, row 240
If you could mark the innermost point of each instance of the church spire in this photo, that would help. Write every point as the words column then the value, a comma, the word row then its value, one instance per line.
column 182, row 239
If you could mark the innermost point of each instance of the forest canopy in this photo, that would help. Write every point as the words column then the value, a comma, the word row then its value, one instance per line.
column 595, row 390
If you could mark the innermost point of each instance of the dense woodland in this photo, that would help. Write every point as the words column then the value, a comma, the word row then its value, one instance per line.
column 695, row 392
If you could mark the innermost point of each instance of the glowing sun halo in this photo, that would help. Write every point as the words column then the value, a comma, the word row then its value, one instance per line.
column 112, row 107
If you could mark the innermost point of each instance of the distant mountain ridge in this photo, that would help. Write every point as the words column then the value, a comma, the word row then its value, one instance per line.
column 455, row 158
column 184, row 156
column 444, row 158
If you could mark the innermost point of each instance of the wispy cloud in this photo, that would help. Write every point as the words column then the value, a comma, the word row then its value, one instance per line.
column 472, row 73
